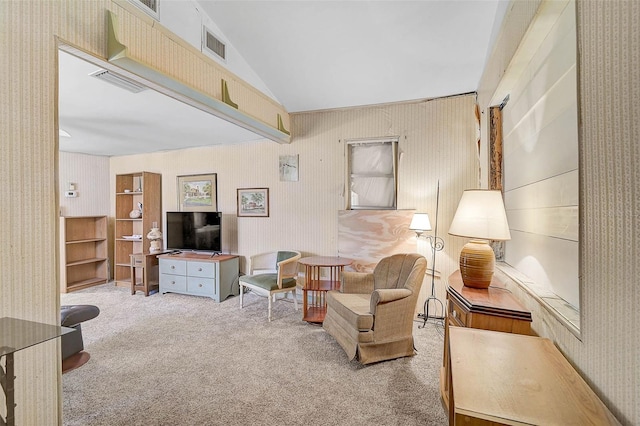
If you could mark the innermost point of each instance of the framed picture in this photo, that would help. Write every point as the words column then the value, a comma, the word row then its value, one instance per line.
column 198, row 193
column 253, row 202
column 288, row 165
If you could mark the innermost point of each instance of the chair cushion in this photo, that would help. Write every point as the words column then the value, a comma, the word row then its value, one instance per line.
column 268, row 282
column 284, row 255
column 71, row 315
column 394, row 271
column 353, row 308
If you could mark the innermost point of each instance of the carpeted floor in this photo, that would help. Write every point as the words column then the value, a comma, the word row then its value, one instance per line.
column 184, row 360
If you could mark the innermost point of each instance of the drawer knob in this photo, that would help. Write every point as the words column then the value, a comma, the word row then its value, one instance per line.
column 173, row 267
column 199, row 269
column 200, row 285
column 173, row 282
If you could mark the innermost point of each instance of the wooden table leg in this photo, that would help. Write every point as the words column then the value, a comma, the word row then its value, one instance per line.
column 7, row 381
column 133, row 276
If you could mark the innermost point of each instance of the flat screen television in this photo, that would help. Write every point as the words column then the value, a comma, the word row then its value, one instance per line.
column 198, row 231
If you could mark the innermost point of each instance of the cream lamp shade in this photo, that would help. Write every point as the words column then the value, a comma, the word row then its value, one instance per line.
column 480, row 216
column 420, row 223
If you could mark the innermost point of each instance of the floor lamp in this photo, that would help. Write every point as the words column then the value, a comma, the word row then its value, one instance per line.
column 420, row 223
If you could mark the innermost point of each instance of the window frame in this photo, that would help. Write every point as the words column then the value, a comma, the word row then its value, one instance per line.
column 350, row 143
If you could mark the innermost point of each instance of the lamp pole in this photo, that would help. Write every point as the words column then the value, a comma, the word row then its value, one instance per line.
column 437, row 244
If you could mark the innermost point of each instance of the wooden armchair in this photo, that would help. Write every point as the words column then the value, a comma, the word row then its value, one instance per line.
column 272, row 273
column 371, row 316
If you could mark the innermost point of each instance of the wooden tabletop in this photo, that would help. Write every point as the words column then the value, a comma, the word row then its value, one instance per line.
column 508, row 378
column 495, row 300
column 325, row 261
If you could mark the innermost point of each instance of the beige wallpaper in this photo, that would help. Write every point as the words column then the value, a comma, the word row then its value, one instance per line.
column 440, row 144
column 608, row 352
column 437, row 142
column 90, row 175
column 29, row 202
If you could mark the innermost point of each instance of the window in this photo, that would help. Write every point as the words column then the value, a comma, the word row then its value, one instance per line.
column 372, row 172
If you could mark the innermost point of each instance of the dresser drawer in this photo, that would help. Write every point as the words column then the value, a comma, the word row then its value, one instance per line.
column 457, row 314
column 201, row 269
column 170, row 266
column 172, row 283
column 202, row 286
column 137, row 260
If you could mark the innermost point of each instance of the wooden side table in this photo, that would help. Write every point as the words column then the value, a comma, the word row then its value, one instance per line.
column 147, row 265
column 511, row 379
column 16, row 335
column 493, row 308
column 314, row 290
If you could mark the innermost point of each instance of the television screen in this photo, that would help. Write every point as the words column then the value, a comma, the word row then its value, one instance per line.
column 194, row 231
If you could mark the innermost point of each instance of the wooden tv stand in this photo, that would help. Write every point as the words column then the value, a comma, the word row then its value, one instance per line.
column 198, row 274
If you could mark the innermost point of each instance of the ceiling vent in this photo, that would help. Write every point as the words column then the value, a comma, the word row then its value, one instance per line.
column 213, row 44
column 118, row 80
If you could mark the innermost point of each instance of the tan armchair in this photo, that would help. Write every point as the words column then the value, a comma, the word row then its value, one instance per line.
column 272, row 273
column 371, row 316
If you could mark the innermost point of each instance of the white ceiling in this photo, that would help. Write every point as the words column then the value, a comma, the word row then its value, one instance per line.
column 310, row 54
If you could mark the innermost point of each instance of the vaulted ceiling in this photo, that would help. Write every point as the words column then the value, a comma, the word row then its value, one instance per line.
column 311, row 55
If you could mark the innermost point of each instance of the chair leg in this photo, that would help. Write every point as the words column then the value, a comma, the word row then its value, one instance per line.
column 269, row 313
column 241, row 287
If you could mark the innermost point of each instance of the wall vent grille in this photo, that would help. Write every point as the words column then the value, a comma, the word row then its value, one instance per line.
column 149, row 6
column 213, row 44
column 118, row 80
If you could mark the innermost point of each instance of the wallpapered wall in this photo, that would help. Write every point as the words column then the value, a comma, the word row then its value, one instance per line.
column 29, row 203
column 609, row 69
column 90, row 175
column 437, row 142
column 608, row 351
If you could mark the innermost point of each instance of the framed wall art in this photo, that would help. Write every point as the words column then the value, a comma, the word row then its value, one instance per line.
column 198, row 193
column 253, row 202
column 288, row 165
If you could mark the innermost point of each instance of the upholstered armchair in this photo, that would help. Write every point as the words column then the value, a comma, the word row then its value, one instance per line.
column 272, row 273
column 371, row 316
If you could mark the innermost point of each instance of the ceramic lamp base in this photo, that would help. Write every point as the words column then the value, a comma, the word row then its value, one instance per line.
column 476, row 264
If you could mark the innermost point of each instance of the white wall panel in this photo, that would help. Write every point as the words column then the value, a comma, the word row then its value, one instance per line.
column 541, row 155
column 553, row 267
column 536, row 154
column 541, row 195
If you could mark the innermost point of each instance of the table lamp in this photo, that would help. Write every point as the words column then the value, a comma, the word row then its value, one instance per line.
column 155, row 238
column 481, row 217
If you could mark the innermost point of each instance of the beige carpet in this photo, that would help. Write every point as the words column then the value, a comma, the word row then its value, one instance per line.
column 184, row 360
